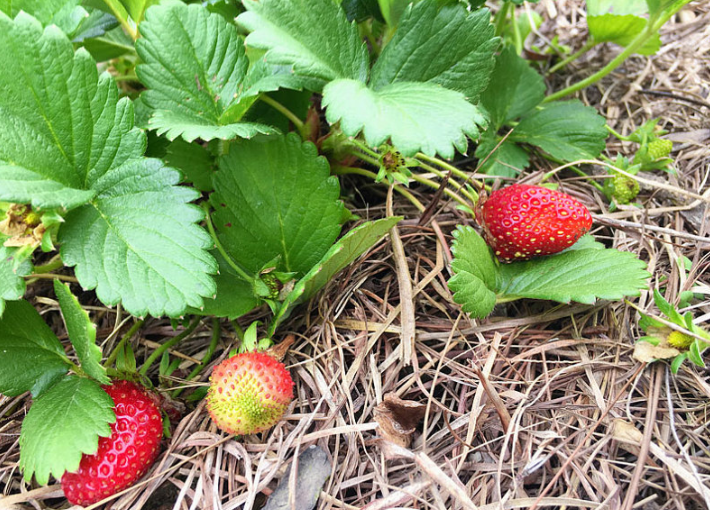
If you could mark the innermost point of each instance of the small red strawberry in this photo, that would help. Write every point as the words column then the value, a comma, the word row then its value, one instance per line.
column 523, row 221
column 249, row 393
column 124, row 456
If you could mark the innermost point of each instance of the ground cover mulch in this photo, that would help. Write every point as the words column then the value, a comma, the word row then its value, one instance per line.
column 538, row 406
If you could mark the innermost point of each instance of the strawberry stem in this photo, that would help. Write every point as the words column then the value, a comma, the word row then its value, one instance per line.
column 129, row 334
column 156, row 354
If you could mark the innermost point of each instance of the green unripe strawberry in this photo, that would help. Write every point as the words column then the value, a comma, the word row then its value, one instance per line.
column 622, row 188
column 249, row 393
column 659, row 149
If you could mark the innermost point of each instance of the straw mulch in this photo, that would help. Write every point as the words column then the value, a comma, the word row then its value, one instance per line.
column 538, row 406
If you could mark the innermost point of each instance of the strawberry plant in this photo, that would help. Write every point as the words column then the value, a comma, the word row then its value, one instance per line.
column 182, row 160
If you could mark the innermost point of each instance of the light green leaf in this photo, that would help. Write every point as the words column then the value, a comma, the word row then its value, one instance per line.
column 655, row 7
column 508, row 160
column 449, row 46
column 31, row 356
column 566, row 130
column 274, row 197
column 577, row 275
column 62, row 425
column 514, row 90
column 194, row 161
column 618, row 7
column 138, row 242
column 136, row 8
column 82, row 333
column 414, row 116
column 622, row 30
column 340, row 255
column 12, row 270
column 194, row 68
column 474, row 273
column 312, row 36
column 45, row 11
column 56, row 136
column 173, row 124
column 234, row 294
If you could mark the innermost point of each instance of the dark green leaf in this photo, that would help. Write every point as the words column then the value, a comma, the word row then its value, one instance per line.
column 566, row 130
column 340, row 255
column 234, row 295
column 194, row 66
column 449, row 46
column 82, row 333
column 274, row 197
column 112, row 44
column 62, row 425
column 32, row 357
column 194, row 161
column 360, row 10
column 514, row 90
column 474, row 269
column 312, row 36
column 578, row 275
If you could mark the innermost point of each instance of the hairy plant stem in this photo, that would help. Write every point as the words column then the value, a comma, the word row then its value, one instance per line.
column 283, row 111
column 157, row 353
column 451, row 168
column 588, row 45
column 442, row 175
column 652, row 26
column 132, row 32
column 501, row 16
column 347, row 170
column 216, row 331
column 210, row 228
column 129, row 334
column 421, row 180
column 50, row 266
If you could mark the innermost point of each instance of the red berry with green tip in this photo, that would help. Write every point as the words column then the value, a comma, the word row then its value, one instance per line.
column 523, row 221
column 249, row 393
column 124, row 456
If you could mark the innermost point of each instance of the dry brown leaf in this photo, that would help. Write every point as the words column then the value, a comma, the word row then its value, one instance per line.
column 398, row 419
column 646, row 352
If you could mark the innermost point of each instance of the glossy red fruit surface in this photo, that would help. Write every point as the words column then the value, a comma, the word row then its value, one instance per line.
column 523, row 221
column 249, row 393
column 124, row 456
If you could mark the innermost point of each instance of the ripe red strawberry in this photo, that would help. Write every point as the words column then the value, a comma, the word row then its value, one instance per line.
column 523, row 221
column 124, row 456
column 249, row 393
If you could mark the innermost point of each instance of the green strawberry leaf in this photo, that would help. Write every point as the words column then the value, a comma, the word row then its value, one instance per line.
column 47, row 12
column 234, row 297
column 313, row 36
column 622, row 30
column 113, row 44
column 456, row 45
column 136, row 8
column 618, row 7
column 58, row 135
column 474, row 273
column 583, row 274
column 82, row 333
column 139, row 243
column 508, row 160
column 194, row 161
column 62, row 425
column 566, row 130
column 96, row 24
column 274, row 197
column 414, row 116
column 515, row 89
column 655, row 7
column 576, row 275
column 14, row 264
column 340, row 255
column 194, row 68
column 392, row 10
column 32, row 356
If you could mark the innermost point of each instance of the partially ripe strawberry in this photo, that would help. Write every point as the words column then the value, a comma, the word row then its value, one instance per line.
column 124, row 456
column 523, row 221
column 249, row 393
